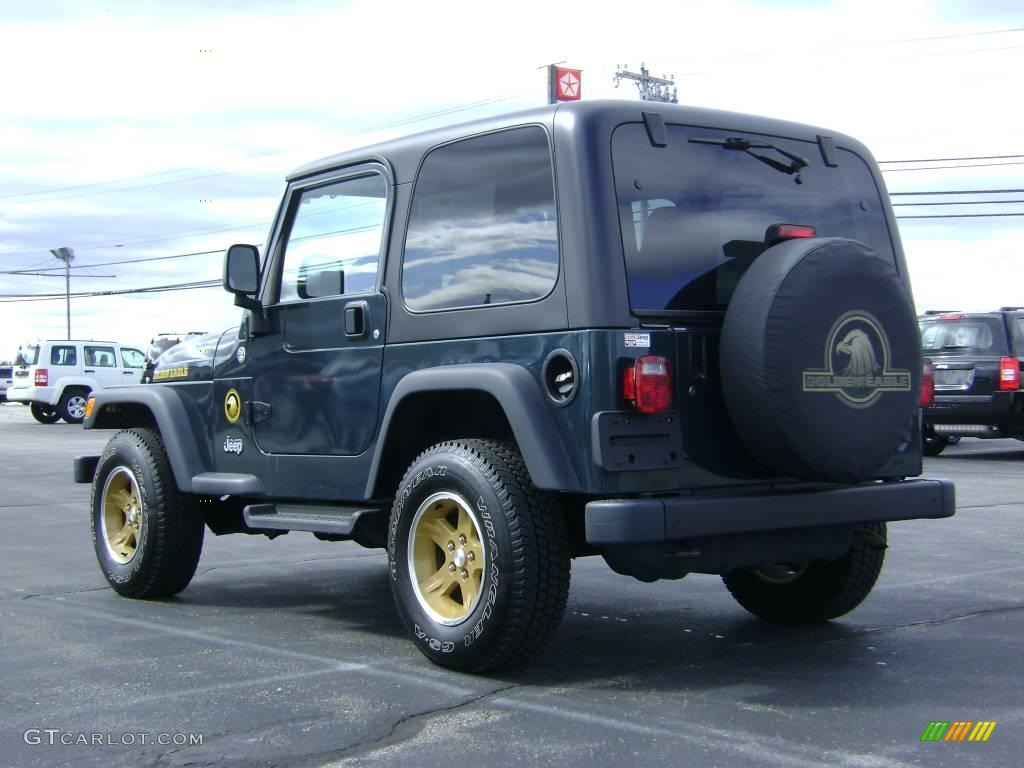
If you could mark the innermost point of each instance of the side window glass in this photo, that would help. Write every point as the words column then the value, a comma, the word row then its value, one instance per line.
column 132, row 358
column 482, row 229
column 63, row 356
column 334, row 243
column 100, row 357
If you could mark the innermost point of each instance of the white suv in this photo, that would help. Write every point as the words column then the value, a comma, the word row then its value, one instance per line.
column 56, row 377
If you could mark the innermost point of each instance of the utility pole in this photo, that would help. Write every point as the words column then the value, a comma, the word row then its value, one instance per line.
column 651, row 88
column 67, row 256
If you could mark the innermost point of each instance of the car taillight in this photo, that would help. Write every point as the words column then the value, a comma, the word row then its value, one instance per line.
column 778, row 233
column 42, row 377
column 927, row 383
column 648, row 384
column 1009, row 373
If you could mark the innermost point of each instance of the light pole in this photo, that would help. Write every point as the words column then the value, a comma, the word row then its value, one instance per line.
column 67, row 256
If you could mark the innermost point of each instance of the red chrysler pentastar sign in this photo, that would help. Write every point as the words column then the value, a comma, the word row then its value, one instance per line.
column 565, row 83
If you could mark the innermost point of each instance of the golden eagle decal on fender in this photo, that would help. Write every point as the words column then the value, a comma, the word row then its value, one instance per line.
column 857, row 363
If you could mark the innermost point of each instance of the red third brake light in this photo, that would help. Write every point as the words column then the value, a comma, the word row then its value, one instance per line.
column 927, row 383
column 42, row 377
column 648, row 384
column 1009, row 374
column 778, row 233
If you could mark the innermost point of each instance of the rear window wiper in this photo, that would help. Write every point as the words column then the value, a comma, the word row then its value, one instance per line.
column 796, row 162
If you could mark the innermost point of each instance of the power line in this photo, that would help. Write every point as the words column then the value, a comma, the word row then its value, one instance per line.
column 961, row 192
column 941, row 167
column 124, row 261
column 967, row 202
column 6, row 298
column 950, row 159
column 961, row 216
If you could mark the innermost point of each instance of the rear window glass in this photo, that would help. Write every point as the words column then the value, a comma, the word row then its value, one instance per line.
column 968, row 335
column 694, row 215
column 482, row 228
column 27, row 354
column 62, row 355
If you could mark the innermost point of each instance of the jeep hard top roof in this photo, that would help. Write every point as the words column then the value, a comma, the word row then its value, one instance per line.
column 404, row 153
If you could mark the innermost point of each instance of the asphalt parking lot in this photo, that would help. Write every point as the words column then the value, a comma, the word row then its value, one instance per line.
column 289, row 652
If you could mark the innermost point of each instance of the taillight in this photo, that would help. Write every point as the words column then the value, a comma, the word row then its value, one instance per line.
column 42, row 377
column 927, row 383
column 778, row 233
column 648, row 384
column 1009, row 373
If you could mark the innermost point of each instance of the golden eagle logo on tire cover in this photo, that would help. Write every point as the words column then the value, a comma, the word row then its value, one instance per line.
column 857, row 363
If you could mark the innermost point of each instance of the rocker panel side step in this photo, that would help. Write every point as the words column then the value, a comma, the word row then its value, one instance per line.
column 306, row 517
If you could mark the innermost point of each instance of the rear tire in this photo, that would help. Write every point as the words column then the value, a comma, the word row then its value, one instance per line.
column 479, row 558
column 44, row 414
column 810, row 593
column 933, row 444
column 147, row 535
column 72, row 405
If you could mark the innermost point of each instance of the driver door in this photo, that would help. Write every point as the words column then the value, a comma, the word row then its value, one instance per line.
column 316, row 375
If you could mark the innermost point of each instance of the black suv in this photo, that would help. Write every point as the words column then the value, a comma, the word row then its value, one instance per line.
column 977, row 360
column 680, row 339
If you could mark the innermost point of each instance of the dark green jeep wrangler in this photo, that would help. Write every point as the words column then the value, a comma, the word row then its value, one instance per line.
column 680, row 339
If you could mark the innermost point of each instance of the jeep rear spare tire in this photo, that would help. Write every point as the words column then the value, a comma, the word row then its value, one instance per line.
column 809, row 593
column 479, row 558
column 821, row 360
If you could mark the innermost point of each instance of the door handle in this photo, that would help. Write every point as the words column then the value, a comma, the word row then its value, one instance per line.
column 356, row 314
column 128, row 373
column 90, row 370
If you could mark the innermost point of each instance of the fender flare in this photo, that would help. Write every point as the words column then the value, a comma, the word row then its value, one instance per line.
column 178, row 419
column 518, row 394
column 78, row 382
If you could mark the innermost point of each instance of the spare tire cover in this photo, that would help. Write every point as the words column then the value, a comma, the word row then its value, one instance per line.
column 821, row 360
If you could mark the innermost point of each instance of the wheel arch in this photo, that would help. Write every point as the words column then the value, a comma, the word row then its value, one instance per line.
column 491, row 400
column 175, row 418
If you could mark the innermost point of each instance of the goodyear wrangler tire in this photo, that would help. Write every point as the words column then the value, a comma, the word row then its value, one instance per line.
column 479, row 558
column 147, row 535
column 821, row 360
column 810, row 593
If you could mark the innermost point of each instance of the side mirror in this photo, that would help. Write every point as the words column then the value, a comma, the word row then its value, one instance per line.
column 242, row 275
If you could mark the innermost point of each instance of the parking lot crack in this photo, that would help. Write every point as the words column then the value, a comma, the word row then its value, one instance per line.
column 54, row 594
column 408, row 726
column 944, row 620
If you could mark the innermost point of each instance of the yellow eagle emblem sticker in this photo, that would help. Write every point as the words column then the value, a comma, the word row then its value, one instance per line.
column 232, row 405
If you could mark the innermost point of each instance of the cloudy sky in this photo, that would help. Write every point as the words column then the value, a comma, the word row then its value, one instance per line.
column 142, row 131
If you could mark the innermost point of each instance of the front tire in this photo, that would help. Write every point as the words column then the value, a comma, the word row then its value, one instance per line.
column 479, row 558
column 147, row 535
column 44, row 414
column 72, row 405
column 810, row 593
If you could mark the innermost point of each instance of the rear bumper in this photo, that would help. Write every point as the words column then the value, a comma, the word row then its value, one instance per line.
column 999, row 408
column 44, row 395
column 677, row 518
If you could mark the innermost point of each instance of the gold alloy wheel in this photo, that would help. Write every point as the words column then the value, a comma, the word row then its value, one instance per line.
column 446, row 558
column 122, row 514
